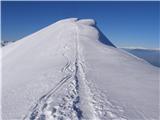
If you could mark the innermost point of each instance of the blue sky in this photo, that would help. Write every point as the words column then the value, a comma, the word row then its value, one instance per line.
column 125, row 23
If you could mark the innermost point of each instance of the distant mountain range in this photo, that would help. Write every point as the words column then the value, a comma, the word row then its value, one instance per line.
column 150, row 55
column 4, row 43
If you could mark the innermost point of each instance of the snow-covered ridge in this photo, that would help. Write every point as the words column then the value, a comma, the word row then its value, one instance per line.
column 72, row 21
column 81, row 21
column 64, row 72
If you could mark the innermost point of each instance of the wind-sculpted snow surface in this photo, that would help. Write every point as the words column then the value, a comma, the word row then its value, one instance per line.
column 64, row 72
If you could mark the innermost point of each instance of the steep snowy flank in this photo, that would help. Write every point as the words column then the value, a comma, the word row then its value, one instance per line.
column 65, row 72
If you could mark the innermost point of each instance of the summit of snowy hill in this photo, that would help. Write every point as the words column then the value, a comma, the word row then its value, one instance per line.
column 87, row 22
column 65, row 72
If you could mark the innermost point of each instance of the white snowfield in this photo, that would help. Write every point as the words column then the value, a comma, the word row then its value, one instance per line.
column 64, row 72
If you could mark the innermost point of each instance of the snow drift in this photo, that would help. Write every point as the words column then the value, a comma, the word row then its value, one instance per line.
column 65, row 72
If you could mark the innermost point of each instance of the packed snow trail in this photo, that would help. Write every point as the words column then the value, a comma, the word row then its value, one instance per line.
column 69, row 106
column 101, row 109
column 65, row 73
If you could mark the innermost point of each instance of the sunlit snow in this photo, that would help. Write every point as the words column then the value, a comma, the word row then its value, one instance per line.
column 66, row 72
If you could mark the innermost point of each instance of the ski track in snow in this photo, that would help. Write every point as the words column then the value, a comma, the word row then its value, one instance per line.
column 68, row 107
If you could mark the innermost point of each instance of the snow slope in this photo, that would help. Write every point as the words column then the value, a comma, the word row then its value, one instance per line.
column 64, row 72
column 150, row 55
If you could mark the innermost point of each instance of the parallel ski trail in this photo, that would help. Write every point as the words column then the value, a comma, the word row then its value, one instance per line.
column 68, row 107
